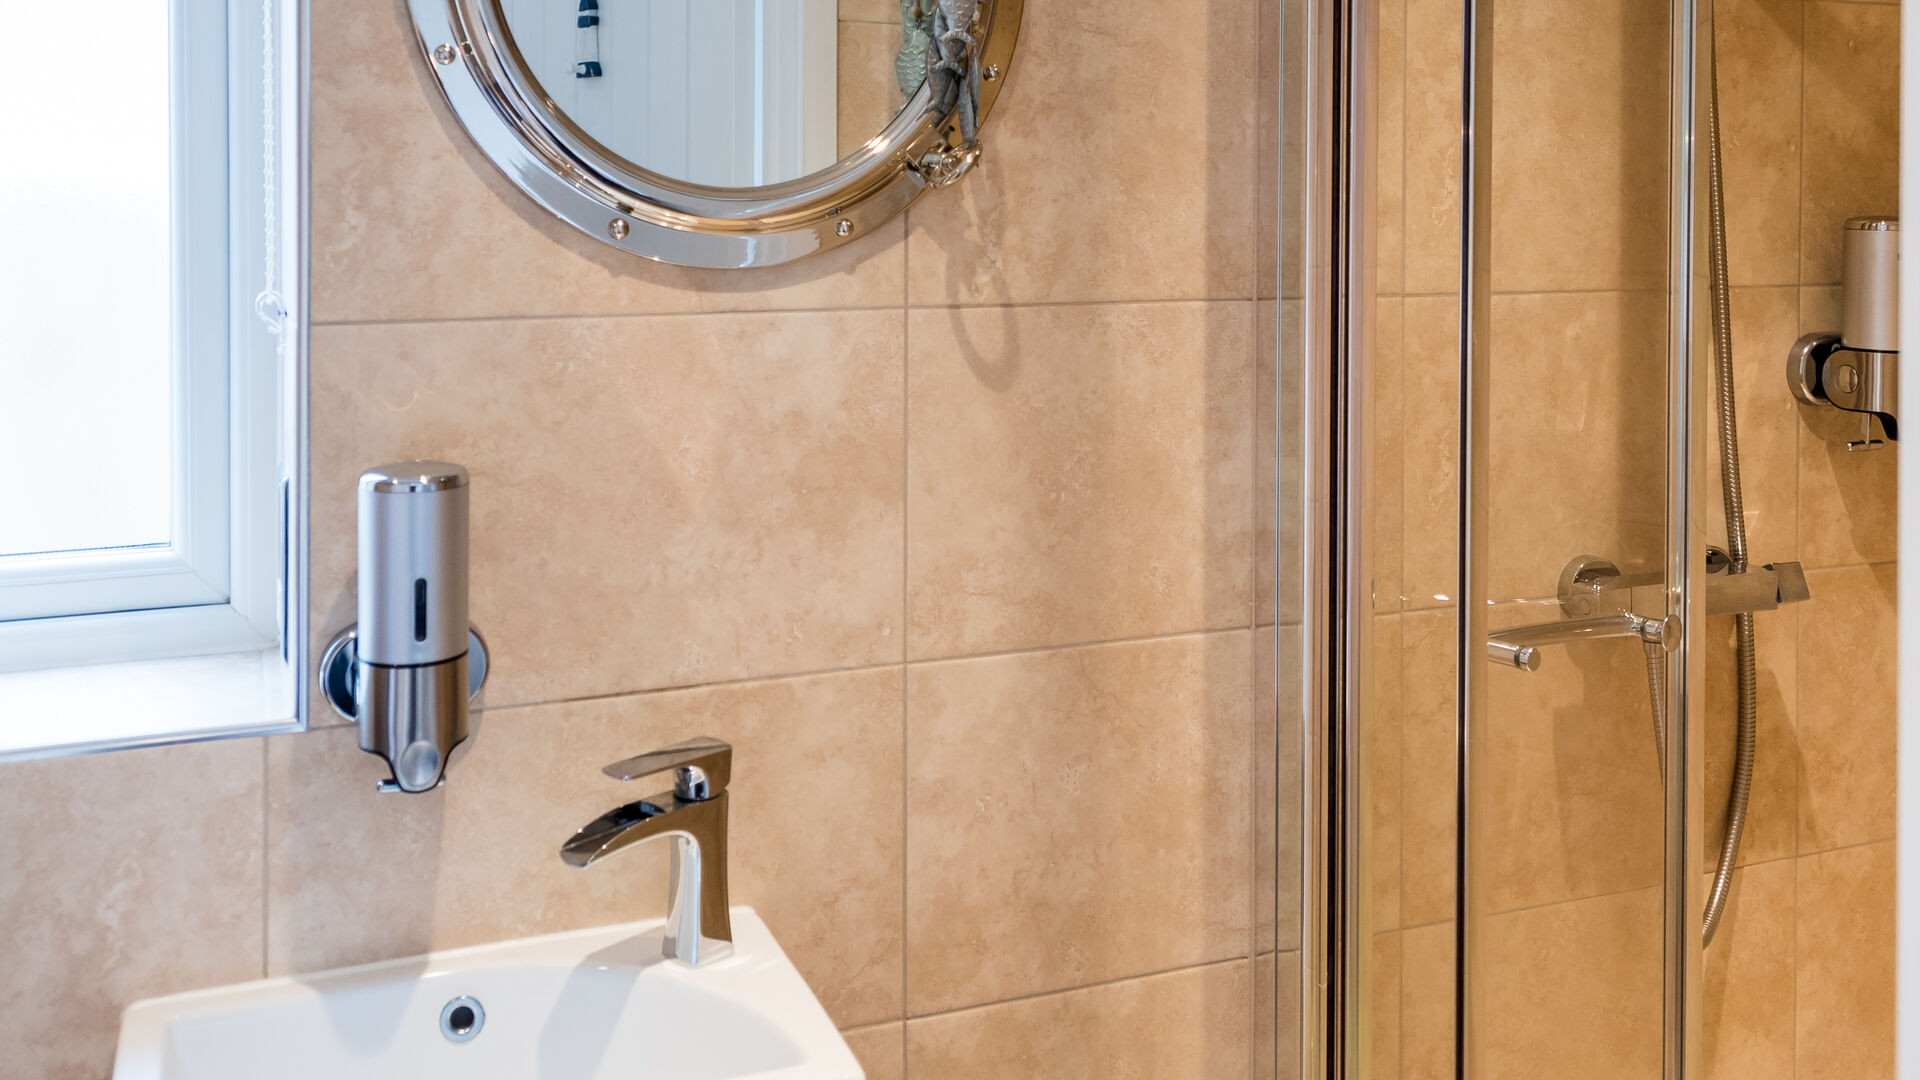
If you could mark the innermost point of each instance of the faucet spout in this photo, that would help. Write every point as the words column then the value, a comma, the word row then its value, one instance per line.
column 694, row 816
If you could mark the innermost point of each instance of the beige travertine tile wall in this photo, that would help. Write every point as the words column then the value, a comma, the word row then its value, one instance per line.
column 1799, row 980
column 951, row 532
column 868, row 93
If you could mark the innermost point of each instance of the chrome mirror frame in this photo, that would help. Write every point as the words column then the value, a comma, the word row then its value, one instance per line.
column 501, row 105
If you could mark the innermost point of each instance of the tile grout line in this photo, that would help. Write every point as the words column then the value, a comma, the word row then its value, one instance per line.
column 1061, row 991
column 854, row 669
column 906, row 611
column 1795, row 859
column 566, row 316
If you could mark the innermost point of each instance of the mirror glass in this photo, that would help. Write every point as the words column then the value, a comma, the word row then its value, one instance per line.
column 726, row 93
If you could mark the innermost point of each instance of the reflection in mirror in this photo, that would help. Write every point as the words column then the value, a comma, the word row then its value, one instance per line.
column 726, row 93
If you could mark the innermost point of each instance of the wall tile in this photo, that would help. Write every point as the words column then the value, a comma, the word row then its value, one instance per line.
column 1390, row 145
column 656, row 501
column 1276, row 788
column 1758, row 46
column 1185, row 1025
column 1386, row 1003
column 1576, row 406
column 1276, row 1016
column 868, row 91
column 1280, row 138
column 1844, row 975
column 1428, row 779
column 1390, row 414
column 1773, row 803
column 1847, row 722
column 355, row 877
column 1579, row 145
column 163, row 897
column 1430, row 451
column 1746, row 1006
column 1578, row 995
column 882, row 1050
column 1768, row 419
column 1852, row 124
column 1849, row 500
column 1075, row 816
column 1063, row 207
column 410, row 221
column 880, row 11
column 1569, row 775
column 1279, row 444
column 1426, row 1003
column 1432, row 163
column 1385, row 762
column 1077, row 474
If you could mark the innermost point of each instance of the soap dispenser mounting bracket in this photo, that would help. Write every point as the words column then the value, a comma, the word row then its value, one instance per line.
column 1822, row 371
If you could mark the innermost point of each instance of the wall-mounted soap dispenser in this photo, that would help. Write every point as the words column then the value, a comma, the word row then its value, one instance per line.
column 1858, row 369
column 405, row 672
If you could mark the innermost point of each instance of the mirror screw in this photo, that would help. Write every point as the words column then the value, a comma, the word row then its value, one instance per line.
column 443, row 54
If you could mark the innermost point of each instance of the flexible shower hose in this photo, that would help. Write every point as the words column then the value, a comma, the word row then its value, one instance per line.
column 1747, row 717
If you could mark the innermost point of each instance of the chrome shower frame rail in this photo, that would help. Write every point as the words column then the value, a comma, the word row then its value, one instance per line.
column 1335, row 945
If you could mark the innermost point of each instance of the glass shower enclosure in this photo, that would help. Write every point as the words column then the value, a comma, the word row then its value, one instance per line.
column 1584, row 650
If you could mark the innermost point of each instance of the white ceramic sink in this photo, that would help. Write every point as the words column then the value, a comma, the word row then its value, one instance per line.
column 587, row 1005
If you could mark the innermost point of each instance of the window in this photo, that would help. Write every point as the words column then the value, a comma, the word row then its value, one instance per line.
column 151, row 385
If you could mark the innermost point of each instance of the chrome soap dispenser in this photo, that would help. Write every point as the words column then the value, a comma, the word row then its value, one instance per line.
column 1858, row 368
column 405, row 672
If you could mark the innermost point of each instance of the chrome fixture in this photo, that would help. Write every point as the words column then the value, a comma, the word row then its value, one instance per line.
column 1520, row 646
column 1858, row 369
column 1601, row 602
column 584, row 169
column 461, row 1019
column 694, row 814
column 405, row 672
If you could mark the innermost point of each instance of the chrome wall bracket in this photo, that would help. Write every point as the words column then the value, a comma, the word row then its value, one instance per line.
column 1822, row 371
column 340, row 684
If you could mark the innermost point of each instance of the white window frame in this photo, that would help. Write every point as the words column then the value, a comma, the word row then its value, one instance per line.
column 203, row 636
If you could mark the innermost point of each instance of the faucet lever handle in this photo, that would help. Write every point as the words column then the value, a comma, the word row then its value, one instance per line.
column 701, row 767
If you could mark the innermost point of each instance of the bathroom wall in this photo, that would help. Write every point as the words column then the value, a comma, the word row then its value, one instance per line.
column 869, row 38
column 952, row 533
column 1799, row 979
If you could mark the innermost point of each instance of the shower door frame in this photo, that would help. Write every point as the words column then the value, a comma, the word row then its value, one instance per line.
column 1336, row 203
column 1685, row 555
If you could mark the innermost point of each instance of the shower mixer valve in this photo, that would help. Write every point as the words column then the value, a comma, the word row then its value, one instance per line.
column 1858, row 368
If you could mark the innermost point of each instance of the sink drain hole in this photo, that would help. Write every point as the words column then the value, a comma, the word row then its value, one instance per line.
column 461, row 1019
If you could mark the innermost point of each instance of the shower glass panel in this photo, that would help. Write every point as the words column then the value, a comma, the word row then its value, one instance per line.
column 1565, row 828
column 1608, row 791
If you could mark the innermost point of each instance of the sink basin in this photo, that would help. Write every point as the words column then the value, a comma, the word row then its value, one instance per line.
column 585, row 1005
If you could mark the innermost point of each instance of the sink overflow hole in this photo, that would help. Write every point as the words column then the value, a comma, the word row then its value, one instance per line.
column 461, row 1019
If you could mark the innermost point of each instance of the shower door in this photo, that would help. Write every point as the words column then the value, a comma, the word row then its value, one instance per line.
column 1526, row 730
column 1535, row 515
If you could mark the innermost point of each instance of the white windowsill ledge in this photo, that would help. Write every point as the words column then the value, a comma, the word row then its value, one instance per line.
column 79, row 710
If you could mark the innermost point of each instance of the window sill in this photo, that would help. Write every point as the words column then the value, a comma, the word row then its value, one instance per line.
column 77, row 710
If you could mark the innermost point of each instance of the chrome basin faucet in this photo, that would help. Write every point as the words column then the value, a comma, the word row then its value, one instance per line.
column 694, row 814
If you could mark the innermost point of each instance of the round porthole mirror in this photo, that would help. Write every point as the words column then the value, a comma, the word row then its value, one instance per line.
column 722, row 133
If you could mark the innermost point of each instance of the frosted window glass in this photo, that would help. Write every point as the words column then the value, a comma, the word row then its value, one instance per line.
column 86, row 337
